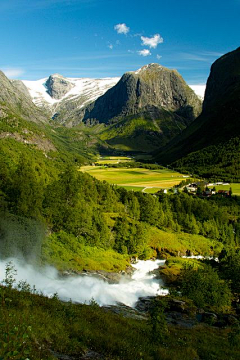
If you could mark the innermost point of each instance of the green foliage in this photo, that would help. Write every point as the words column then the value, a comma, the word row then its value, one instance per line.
column 158, row 321
column 33, row 327
column 205, row 288
column 216, row 163
column 66, row 252
column 229, row 265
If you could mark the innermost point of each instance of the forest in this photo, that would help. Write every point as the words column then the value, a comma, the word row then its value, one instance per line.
column 52, row 213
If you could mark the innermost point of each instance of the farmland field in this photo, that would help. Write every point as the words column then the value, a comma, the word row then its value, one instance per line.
column 235, row 188
column 138, row 179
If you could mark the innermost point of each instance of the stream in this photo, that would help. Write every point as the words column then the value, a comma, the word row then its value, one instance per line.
column 84, row 288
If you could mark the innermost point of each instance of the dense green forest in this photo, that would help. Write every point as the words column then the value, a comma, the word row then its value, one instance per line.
column 216, row 163
column 52, row 213
column 71, row 204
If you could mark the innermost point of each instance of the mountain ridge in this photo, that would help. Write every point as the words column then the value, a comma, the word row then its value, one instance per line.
column 216, row 127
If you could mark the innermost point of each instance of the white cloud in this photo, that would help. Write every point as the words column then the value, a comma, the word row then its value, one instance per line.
column 159, row 56
column 152, row 42
column 122, row 28
column 144, row 52
column 110, row 46
column 13, row 72
column 194, row 57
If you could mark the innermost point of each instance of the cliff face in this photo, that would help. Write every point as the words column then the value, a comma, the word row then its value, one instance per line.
column 223, row 82
column 15, row 99
column 152, row 86
column 219, row 121
column 58, row 86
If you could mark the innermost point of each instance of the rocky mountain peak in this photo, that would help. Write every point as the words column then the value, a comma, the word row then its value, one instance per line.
column 224, row 80
column 152, row 86
column 149, row 67
column 58, row 86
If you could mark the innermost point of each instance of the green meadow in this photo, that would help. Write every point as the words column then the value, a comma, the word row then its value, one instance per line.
column 234, row 186
column 137, row 179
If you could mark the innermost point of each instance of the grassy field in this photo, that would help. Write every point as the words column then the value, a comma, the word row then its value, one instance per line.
column 137, row 179
column 235, row 188
column 113, row 160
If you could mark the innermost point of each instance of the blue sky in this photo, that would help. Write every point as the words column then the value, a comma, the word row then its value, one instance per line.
column 101, row 38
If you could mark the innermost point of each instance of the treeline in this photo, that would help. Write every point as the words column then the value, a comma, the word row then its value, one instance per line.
column 216, row 163
column 101, row 215
column 134, row 164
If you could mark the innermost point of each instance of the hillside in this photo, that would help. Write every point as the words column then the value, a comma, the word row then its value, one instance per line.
column 64, row 97
column 145, row 109
column 216, row 131
column 26, row 128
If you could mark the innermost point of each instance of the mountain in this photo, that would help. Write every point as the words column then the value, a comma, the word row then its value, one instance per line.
column 144, row 109
column 138, row 112
column 149, row 88
column 62, row 97
column 16, row 101
column 210, row 145
column 28, row 129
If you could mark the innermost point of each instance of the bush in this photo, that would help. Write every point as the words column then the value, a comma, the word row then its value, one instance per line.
column 205, row 288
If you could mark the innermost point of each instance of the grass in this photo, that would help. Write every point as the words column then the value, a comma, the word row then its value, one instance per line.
column 235, row 188
column 35, row 327
column 178, row 243
column 113, row 160
column 136, row 179
column 65, row 252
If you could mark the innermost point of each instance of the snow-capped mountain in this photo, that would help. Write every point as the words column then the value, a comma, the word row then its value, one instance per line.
column 199, row 90
column 83, row 90
column 55, row 92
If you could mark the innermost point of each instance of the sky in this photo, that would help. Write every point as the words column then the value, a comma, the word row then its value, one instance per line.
column 106, row 38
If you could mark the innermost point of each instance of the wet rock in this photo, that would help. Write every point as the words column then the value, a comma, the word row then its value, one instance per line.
column 145, row 303
column 126, row 311
column 180, row 319
column 89, row 355
column 177, row 305
column 92, row 355
column 209, row 318
column 110, row 277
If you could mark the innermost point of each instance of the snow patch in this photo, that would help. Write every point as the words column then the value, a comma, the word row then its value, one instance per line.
column 88, row 88
column 199, row 90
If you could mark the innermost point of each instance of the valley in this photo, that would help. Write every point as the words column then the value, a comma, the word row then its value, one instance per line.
column 136, row 179
column 89, row 204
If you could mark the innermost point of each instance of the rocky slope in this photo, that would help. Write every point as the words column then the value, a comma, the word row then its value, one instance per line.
column 15, row 100
column 151, row 87
column 25, row 128
column 219, row 123
column 63, row 97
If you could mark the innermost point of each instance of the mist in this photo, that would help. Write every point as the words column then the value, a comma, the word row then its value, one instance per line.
column 84, row 288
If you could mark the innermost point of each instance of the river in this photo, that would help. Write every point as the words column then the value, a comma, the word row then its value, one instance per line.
column 84, row 288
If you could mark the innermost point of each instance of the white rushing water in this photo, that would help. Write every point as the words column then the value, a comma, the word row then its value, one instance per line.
column 84, row 288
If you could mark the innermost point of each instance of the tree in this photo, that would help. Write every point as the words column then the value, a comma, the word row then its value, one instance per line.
column 205, row 288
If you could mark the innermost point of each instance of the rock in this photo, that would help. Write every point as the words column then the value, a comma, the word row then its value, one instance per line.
column 61, row 356
column 144, row 304
column 110, row 277
column 177, row 305
column 149, row 89
column 58, row 86
column 209, row 318
column 89, row 355
column 16, row 101
column 92, row 355
column 126, row 311
column 230, row 319
column 180, row 319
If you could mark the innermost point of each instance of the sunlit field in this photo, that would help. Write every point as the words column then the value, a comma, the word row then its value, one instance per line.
column 137, row 179
column 234, row 186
